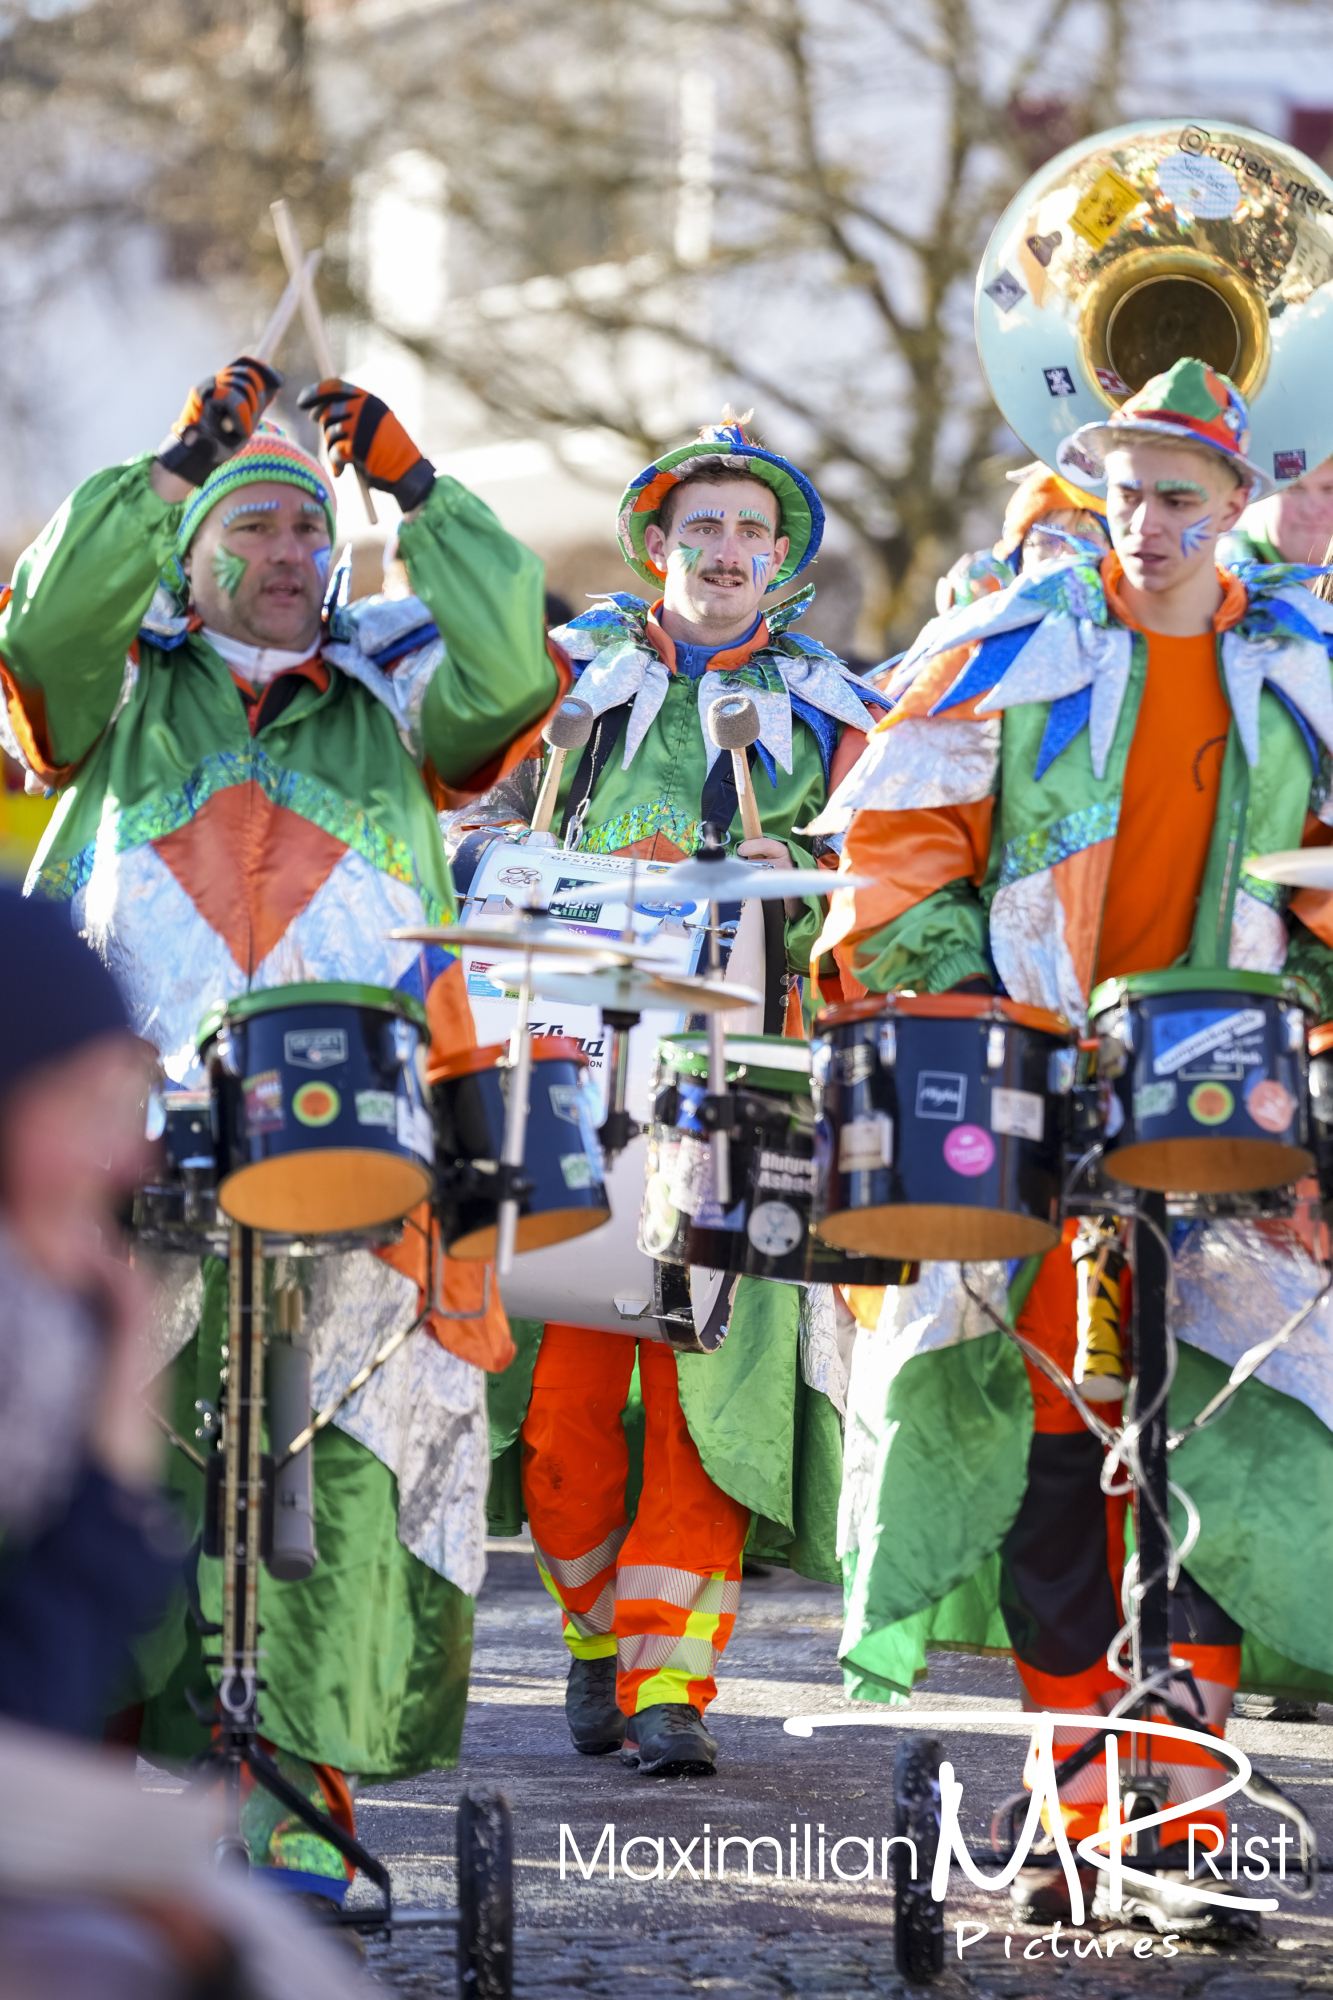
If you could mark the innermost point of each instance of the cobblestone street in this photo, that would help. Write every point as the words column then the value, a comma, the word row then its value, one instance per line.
column 773, row 1937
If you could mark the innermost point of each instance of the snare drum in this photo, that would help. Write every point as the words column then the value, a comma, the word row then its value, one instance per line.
column 562, row 1161
column 1204, row 1080
column 766, row 1231
column 942, row 1125
column 321, row 1108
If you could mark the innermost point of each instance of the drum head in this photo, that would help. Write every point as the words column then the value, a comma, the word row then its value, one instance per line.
column 318, row 1193
column 1207, row 1166
column 931, row 1232
column 534, row 1232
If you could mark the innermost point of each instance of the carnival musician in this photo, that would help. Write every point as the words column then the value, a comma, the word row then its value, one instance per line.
column 717, row 527
column 249, row 789
column 1031, row 838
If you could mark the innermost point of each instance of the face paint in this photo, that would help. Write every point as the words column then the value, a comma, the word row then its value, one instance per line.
column 250, row 507
column 307, row 507
column 1195, row 535
column 1130, row 485
column 1185, row 487
column 704, row 514
column 228, row 569
column 684, row 557
column 754, row 514
column 321, row 559
column 759, row 568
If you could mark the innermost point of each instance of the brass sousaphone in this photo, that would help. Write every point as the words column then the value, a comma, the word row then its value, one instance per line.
column 1148, row 243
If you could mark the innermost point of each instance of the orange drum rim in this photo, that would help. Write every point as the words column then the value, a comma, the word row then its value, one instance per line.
column 1321, row 1038
column 550, row 1048
column 470, row 1062
column 944, row 1007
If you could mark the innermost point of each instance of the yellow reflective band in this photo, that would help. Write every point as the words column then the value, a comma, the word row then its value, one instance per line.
column 669, row 1685
column 602, row 1646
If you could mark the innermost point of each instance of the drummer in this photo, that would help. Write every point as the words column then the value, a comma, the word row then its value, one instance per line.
column 1057, row 841
column 249, row 792
column 717, row 527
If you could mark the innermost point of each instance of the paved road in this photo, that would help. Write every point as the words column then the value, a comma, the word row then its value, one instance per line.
column 774, row 1936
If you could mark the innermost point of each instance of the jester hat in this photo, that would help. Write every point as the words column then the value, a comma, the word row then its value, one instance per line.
column 268, row 454
column 1191, row 402
column 802, row 510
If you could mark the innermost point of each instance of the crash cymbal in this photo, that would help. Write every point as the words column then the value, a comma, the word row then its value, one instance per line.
column 631, row 989
column 536, row 934
column 1302, row 867
column 729, row 881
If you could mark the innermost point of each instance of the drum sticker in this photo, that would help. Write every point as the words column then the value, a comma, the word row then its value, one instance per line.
column 576, row 1170
column 774, row 1229
column 376, row 1107
column 582, row 913
column 1205, row 1042
column 316, row 1104
column 659, row 1218
column 1155, row 1100
column 710, row 1216
column 968, row 1150
column 941, row 1093
column 1211, row 1103
column 565, row 1102
column 1021, row 1114
column 315, row 1048
column 865, row 1144
column 855, row 1064
column 263, row 1102
column 415, row 1131
column 1269, row 1103
column 479, row 986
column 785, row 1172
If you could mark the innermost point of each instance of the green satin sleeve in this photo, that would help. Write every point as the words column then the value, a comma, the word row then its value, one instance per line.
column 938, row 943
column 486, row 592
column 79, row 596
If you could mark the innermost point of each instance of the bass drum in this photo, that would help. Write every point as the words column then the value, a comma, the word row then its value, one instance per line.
column 603, row 1280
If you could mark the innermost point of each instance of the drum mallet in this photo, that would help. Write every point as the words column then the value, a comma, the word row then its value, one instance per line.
column 733, row 724
column 293, row 256
column 568, row 729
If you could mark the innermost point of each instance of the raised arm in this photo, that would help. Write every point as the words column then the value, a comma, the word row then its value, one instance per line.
column 483, row 588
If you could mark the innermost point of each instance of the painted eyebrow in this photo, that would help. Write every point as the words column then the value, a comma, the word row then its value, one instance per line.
column 704, row 514
column 249, row 507
column 755, row 514
column 1189, row 487
column 1130, row 485
column 310, row 507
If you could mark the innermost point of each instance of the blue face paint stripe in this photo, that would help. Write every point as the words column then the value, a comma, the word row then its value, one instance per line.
column 704, row 514
column 1194, row 537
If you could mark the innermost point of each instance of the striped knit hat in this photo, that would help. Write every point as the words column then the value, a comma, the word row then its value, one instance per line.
column 269, row 454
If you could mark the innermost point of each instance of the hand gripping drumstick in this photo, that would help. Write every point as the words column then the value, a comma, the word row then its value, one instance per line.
column 733, row 724
column 293, row 256
column 568, row 729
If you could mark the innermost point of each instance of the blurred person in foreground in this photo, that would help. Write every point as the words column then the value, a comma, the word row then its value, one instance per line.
column 1290, row 526
column 89, row 1549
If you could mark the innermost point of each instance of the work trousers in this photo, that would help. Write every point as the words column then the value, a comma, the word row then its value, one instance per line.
column 1062, row 1563
column 660, row 1595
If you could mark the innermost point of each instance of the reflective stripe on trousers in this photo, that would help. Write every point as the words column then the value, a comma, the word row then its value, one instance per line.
column 662, row 1593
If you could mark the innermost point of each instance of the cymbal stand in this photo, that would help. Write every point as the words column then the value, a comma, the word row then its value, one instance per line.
column 719, row 1111
column 516, row 1126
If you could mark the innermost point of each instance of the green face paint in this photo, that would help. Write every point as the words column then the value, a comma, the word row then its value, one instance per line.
column 755, row 514
column 684, row 557
column 1187, row 488
column 228, row 568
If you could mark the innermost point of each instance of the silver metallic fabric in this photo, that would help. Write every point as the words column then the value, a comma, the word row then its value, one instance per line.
column 1027, row 932
column 1236, row 1282
column 1258, row 936
column 827, row 1335
column 918, row 762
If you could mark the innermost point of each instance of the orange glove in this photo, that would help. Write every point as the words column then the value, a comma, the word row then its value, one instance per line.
column 219, row 415
column 363, row 431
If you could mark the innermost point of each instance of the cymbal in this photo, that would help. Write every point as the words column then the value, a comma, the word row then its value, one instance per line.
column 535, row 934
column 1302, row 867
column 728, row 881
column 633, row 989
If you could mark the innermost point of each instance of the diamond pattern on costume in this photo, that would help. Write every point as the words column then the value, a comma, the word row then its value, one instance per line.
column 249, row 867
column 1045, row 845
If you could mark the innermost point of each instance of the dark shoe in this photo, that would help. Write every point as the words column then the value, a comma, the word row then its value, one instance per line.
column 669, row 1741
column 1039, row 1893
column 1270, row 1708
column 596, row 1725
column 1170, row 1906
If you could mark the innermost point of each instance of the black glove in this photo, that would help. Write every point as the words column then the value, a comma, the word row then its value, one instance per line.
column 219, row 415
column 364, row 432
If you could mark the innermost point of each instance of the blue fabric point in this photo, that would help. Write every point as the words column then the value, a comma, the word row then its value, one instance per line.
column 824, row 729
column 431, row 960
column 989, row 663
column 1069, row 714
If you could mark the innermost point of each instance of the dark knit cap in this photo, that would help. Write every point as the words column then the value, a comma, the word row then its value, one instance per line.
column 55, row 993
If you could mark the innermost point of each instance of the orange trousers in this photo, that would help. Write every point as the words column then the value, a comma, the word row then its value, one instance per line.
column 1062, row 1564
column 660, row 1595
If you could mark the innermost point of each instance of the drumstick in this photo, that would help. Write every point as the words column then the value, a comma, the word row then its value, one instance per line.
column 285, row 311
column 516, row 1122
column 733, row 724
column 289, row 242
column 568, row 729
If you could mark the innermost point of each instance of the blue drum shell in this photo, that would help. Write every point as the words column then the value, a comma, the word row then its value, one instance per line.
column 942, row 1128
column 1205, row 1087
column 321, row 1115
column 562, row 1156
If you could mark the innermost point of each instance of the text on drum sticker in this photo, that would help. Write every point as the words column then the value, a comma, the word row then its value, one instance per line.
column 1018, row 1114
column 865, row 1144
column 1184, row 1038
column 941, row 1093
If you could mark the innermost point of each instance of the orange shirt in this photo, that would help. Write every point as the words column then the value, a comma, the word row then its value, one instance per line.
column 1172, row 780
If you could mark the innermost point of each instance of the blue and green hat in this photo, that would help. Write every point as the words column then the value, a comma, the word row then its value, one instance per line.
column 802, row 510
column 268, row 454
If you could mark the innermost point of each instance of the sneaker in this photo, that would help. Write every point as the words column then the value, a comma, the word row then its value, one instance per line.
column 1269, row 1708
column 669, row 1740
column 596, row 1725
column 1171, row 1905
